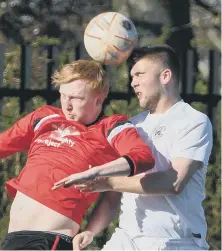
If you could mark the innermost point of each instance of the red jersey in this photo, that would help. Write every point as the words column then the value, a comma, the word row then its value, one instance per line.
column 58, row 147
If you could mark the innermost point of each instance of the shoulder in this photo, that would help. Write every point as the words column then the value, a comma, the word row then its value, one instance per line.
column 116, row 121
column 188, row 113
column 115, row 118
column 139, row 118
column 44, row 113
column 188, row 117
column 47, row 110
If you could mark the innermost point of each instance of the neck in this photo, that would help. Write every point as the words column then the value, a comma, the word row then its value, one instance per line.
column 99, row 116
column 165, row 103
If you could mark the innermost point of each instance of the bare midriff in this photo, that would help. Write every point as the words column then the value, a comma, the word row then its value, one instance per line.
column 28, row 214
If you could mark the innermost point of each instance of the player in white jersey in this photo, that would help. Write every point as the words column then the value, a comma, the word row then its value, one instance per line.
column 161, row 209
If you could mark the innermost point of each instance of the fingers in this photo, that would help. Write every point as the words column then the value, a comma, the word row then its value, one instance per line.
column 62, row 183
column 58, row 186
column 74, row 179
column 76, row 243
column 86, row 188
column 86, row 241
column 67, row 182
column 85, row 185
column 82, row 240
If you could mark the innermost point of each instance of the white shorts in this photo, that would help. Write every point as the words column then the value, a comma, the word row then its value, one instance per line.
column 120, row 240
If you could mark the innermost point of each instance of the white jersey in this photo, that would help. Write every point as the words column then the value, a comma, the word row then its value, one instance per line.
column 180, row 132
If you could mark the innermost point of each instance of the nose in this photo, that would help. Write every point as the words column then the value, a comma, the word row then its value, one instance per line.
column 134, row 83
column 68, row 104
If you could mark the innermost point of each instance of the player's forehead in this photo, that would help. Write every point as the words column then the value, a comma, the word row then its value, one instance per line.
column 141, row 66
column 145, row 65
column 75, row 88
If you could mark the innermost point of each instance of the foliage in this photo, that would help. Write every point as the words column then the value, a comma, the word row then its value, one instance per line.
column 12, row 165
column 39, row 23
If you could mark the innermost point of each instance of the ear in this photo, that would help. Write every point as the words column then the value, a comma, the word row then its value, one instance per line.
column 100, row 99
column 166, row 76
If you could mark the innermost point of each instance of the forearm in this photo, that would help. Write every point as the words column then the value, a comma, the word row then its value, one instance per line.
column 118, row 167
column 158, row 183
column 104, row 212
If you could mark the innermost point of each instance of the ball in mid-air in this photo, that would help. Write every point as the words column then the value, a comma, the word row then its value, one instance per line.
column 110, row 38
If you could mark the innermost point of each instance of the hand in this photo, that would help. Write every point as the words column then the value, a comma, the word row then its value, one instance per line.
column 76, row 178
column 100, row 184
column 82, row 240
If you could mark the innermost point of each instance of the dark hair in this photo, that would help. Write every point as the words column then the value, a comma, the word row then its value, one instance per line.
column 165, row 53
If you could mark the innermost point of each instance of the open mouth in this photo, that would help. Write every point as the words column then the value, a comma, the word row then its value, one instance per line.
column 138, row 94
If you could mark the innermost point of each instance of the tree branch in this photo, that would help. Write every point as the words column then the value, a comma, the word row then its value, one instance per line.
column 207, row 7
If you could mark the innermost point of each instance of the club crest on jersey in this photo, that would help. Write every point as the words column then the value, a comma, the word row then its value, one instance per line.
column 63, row 131
column 159, row 132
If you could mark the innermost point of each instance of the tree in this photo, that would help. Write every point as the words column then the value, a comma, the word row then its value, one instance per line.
column 181, row 23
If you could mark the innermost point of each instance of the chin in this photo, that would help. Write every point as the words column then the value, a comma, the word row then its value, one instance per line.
column 143, row 105
column 71, row 118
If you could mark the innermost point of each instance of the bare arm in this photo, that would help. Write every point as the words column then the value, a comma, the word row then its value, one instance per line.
column 190, row 150
column 105, row 212
column 136, row 157
column 160, row 183
column 118, row 167
column 171, row 181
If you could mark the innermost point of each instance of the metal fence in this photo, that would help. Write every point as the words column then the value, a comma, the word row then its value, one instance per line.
column 25, row 93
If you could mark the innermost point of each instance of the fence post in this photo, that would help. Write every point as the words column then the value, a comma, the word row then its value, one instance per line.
column 26, row 77
column 2, row 51
column 214, row 85
column 187, row 74
column 130, row 92
column 52, row 65
column 80, row 52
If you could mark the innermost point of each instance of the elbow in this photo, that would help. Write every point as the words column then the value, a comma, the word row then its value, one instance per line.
column 141, row 161
column 144, row 166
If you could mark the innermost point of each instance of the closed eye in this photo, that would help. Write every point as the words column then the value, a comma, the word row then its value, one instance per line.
column 76, row 97
column 71, row 97
column 137, row 74
column 140, row 73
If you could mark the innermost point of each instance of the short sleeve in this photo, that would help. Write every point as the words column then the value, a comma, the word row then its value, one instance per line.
column 123, row 137
column 194, row 141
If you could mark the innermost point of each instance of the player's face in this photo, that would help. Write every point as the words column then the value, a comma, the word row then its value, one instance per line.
column 146, row 82
column 79, row 102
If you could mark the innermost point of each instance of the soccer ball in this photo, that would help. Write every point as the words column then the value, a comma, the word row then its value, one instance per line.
column 110, row 38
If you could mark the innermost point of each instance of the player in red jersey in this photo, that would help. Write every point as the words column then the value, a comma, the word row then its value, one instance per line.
column 61, row 142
